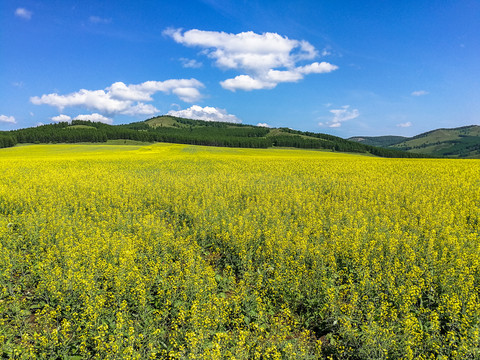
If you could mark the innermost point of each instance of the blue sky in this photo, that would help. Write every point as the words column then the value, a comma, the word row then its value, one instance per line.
column 339, row 67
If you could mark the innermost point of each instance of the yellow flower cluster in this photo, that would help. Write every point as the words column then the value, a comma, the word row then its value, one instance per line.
column 185, row 252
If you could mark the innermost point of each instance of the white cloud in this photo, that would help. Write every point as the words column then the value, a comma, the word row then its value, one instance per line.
column 317, row 68
column 185, row 89
column 91, row 99
column 141, row 109
column 61, row 118
column 95, row 117
column 267, row 59
column 341, row 115
column 335, row 125
column 99, row 20
column 419, row 93
column 7, row 119
column 246, row 50
column 263, row 125
column 246, row 82
column 120, row 98
column 405, row 125
column 278, row 76
column 121, row 91
column 206, row 113
column 187, row 94
column 23, row 13
column 190, row 63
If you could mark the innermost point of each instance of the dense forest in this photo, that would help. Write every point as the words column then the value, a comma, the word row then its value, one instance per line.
column 187, row 131
column 7, row 140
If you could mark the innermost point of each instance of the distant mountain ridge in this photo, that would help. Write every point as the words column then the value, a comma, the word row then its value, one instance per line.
column 382, row 141
column 460, row 142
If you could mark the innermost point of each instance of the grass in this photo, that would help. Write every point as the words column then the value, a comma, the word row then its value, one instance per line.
column 165, row 121
column 81, row 127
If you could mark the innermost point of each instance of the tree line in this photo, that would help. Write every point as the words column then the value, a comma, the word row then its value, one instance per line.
column 7, row 141
column 194, row 132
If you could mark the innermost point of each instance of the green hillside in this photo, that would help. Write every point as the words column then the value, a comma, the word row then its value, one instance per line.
column 461, row 142
column 382, row 141
column 457, row 142
column 187, row 131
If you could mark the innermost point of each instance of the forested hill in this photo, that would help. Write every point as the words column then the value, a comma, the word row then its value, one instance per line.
column 187, row 131
column 460, row 142
column 382, row 141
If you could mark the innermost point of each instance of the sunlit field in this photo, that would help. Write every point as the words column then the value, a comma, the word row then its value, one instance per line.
column 184, row 252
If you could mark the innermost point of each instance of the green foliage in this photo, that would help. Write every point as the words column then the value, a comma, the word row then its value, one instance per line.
column 194, row 132
column 7, row 140
column 61, row 133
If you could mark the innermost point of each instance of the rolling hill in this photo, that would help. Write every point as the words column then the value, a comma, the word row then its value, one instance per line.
column 382, row 141
column 461, row 142
column 187, row 131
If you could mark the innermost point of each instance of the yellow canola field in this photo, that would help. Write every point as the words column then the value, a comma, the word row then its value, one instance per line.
column 184, row 252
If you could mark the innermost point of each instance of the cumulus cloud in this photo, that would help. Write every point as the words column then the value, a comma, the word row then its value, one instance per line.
column 190, row 63
column 419, row 93
column 207, row 113
column 263, row 125
column 405, row 125
column 120, row 98
column 7, row 119
column 61, row 118
column 246, row 82
column 23, row 13
column 141, row 109
column 187, row 94
column 95, row 117
column 317, row 68
column 91, row 99
column 185, row 89
column 341, row 115
column 266, row 59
